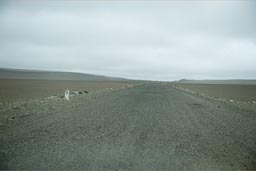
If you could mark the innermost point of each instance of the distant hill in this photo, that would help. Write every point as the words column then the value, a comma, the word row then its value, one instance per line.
column 232, row 81
column 6, row 73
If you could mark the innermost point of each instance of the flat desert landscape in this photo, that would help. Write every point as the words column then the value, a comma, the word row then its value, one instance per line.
column 24, row 85
column 13, row 90
column 144, row 85
column 127, row 125
column 236, row 91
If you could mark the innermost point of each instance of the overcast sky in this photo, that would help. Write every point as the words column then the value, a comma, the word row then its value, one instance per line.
column 157, row 40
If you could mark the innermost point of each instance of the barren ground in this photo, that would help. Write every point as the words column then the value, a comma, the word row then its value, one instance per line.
column 146, row 127
column 13, row 90
column 244, row 93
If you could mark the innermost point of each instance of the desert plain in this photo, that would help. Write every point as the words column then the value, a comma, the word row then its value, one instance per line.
column 237, row 92
column 18, row 90
column 126, row 125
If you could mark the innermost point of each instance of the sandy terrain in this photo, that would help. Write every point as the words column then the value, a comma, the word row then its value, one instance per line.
column 244, row 93
column 226, row 82
column 12, row 90
column 145, row 127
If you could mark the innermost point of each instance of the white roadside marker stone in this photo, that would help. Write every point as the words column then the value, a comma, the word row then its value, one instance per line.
column 67, row 94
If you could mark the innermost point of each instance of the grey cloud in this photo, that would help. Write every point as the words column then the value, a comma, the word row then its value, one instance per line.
column 146, row 40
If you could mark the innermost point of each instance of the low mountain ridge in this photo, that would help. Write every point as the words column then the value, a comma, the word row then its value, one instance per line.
column 7, row 73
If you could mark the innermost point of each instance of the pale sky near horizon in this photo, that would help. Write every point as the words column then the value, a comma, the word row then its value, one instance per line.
column 155, row 40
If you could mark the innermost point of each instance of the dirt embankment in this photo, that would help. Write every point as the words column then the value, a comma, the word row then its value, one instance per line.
column 242, row 93
column 24, row 90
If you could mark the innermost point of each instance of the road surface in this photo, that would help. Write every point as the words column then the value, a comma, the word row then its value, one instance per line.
column 146, row 127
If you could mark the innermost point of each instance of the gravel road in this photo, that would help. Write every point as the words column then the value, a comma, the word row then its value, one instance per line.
column 146, row 127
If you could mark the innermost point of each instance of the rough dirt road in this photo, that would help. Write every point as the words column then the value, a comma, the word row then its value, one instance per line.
column 147, row 127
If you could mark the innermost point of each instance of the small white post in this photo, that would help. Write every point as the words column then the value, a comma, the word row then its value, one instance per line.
column 67, row 93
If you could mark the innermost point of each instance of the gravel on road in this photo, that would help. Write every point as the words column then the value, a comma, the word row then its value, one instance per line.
column 145, row 127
